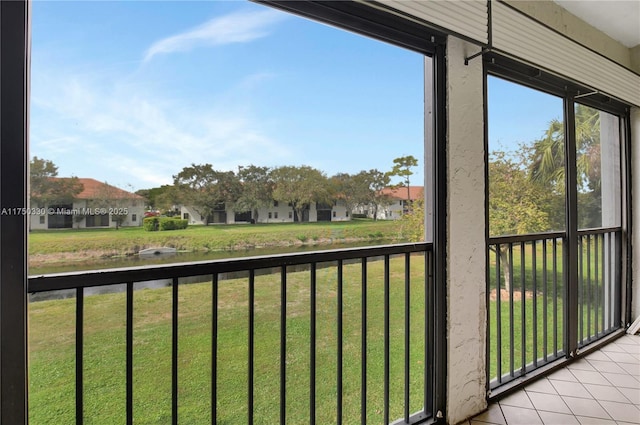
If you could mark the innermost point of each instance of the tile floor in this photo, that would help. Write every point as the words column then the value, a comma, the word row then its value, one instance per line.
column 602, row 388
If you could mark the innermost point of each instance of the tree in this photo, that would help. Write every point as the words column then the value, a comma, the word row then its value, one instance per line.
column 402, row 168
column 412, row 223
column 257, row 189
column 114, row 200
column 45, row 186
column 376, row 181
column 299, row 187
column 159, row 198
column 548, row 165
column 205, row 189
column 516, row 202
column 352, row 189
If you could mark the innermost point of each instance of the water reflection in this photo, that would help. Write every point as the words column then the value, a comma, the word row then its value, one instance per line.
column 185, row 257
column 179, row 257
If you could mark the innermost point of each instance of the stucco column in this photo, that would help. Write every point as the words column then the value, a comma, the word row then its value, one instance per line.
column 466, row 249
column 635, row 211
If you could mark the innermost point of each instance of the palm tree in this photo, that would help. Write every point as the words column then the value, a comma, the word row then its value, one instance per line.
column 548, row 162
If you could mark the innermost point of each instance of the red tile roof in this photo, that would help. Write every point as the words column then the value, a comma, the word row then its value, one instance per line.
column 94, row 189
column 415, row 192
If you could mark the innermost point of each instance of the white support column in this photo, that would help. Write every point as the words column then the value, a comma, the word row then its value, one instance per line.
column 466, row 244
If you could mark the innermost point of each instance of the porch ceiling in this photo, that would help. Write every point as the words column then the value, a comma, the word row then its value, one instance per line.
column 619, row 19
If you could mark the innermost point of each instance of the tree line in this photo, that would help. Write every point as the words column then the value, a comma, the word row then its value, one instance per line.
column 254, row 187
column 250, row 188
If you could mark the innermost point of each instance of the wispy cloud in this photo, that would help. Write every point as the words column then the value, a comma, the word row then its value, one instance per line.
column 238, row 27
column 126, row 135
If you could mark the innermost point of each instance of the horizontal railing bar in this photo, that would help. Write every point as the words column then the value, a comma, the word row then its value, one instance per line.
column 529, row 237
column 599, row 231
column 94, row 278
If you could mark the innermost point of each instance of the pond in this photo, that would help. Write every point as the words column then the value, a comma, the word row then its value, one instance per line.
column 179, row 257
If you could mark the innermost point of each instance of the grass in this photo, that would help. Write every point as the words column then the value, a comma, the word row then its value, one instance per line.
column 129, row 240
column 549, row 323
column 52, row 331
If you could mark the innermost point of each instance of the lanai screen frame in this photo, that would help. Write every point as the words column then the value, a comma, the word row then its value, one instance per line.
column 15, row 30
column 572, row 93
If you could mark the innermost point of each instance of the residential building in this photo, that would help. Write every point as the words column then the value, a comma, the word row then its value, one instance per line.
column 398, row 202
column 278, row 212
column 97, row 205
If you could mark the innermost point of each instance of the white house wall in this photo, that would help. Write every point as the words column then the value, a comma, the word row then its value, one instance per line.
column 134, row 208
column 339, row 212
column 283, row 213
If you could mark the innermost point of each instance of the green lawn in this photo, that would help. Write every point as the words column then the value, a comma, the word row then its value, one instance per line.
column 130, row 240
column 52, row 331
column 538, row 293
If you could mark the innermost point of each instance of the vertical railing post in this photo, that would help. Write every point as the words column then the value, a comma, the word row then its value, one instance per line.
column 571, row 253
column 340, row 343
column 129, row 355
column 79, row 356
column 214, row 349
column 363, row 344
column 14, row 159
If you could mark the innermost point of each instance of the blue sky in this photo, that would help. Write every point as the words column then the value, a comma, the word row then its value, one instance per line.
column 132, row 92
column 518, row 114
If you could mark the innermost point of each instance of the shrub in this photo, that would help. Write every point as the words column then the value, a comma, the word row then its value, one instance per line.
column 153, row 224
column 169, row 223
column 150, row 224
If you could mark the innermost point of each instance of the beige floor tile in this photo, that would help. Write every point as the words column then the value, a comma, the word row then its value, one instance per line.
column 625, row 381
column 623, row 357
column 605, row 392
column 572, row 389
column 598, row 355
column 632, row 349
column 541, row 386
column 520, row 416
column 581, row 364
column 632, row 394
column 549, row 403
column 551, row 418
column 518, row 399
column 606, row 366
column 492, row 415
column 584, row 420
column 622, row 412
column 629, row 339
column 562, row 375
column 631, row 368
column 612, row 348
column 590, row 377
column 585, row 407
